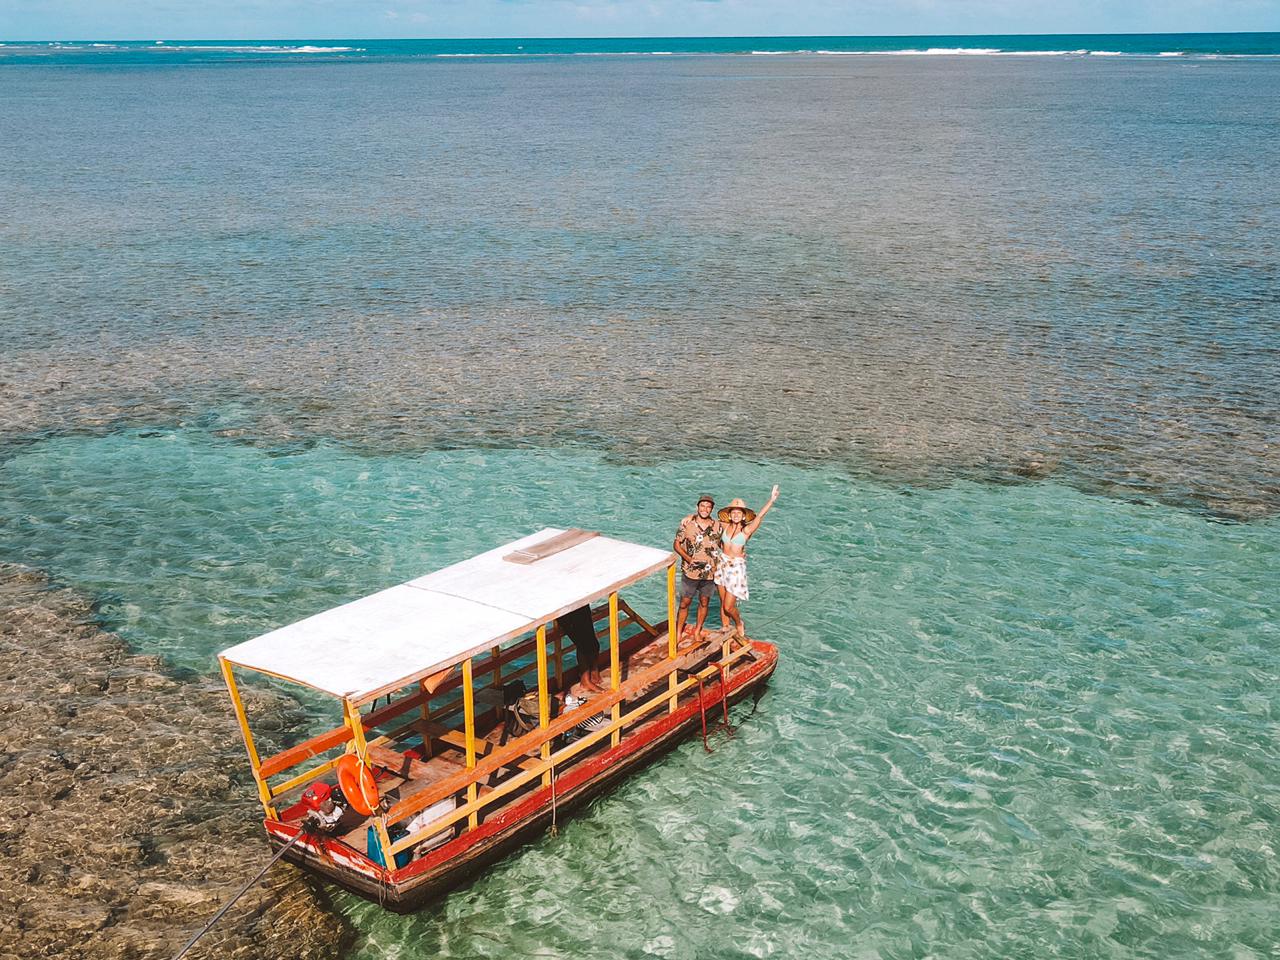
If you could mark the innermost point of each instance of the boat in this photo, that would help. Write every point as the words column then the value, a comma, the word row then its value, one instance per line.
column 466, row 729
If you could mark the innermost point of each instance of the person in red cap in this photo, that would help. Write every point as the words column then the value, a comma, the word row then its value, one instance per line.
column 697, row 542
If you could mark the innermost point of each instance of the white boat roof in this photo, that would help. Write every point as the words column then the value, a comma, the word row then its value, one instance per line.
column 389, row 639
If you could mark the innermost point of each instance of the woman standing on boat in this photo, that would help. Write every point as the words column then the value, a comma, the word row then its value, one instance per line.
column 740, row 522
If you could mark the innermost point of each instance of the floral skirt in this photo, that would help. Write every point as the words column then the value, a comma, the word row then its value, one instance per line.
column 731, row 573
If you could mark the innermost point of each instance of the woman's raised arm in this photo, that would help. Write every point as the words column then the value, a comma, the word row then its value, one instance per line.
column 750, row 528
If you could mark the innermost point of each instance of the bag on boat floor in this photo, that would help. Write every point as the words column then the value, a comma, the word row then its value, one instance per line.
column 425, row 819
column 375, row 848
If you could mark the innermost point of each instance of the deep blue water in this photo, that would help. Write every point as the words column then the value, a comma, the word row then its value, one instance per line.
column 1084, row 44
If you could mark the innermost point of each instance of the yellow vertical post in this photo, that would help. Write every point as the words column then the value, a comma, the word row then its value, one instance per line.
column 615, row 667
column 469, row 729
column 671, row 634
column 354, row 721
column 544, row 699
column 264, row 791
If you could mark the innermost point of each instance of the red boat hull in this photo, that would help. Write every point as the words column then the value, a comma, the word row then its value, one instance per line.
column 454, row 863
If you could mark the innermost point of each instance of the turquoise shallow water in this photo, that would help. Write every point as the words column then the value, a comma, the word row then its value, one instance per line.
column 1009, row 720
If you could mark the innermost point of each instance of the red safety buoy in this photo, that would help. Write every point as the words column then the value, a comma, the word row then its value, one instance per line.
column 358, row 785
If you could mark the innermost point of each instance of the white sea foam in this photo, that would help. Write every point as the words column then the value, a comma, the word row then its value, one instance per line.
column 488, row 56
column 939, row 52
column 910, row 52
column 309, row 49
column 576, row 53
column 287, row 49
column 254, row 48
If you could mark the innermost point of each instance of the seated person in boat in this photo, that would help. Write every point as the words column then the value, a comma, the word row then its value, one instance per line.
column 697, row 542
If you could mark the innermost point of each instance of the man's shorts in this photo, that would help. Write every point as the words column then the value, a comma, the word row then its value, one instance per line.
column 690, row 588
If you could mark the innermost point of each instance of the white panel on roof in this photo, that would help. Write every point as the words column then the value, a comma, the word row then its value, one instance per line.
column 436, row 620
column 373, row 641
column 537, row 590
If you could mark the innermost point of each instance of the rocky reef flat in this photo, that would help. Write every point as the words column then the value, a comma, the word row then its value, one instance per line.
column 128, row 816
column 924, row 402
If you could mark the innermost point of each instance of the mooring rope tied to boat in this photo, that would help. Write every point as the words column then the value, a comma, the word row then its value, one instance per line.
column 796, row 606
column 724, row 699
column 238, row 894
column 702, row 709
column 555, row 831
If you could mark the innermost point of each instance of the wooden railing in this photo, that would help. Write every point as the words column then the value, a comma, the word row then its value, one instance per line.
column 530, row 745
column 339, row 736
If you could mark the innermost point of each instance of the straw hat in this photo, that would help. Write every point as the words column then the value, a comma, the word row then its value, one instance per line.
column 737, row 503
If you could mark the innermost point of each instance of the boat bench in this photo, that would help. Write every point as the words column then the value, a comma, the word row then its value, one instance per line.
column 411, row 768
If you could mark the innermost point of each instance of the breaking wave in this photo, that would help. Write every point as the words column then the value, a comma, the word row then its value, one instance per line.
column 250, row 48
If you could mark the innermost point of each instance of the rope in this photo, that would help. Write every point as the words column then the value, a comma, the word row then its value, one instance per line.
column 724, row 700
column 382, row 874
column 702, row 707
column 239, row 893
column 555, row 831
column 809, row 599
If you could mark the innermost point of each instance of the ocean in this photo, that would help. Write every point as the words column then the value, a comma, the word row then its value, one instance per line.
column 160, row 51
column 289, row 322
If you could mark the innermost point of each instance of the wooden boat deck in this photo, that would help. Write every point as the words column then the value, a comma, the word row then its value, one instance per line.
column 426, row 752
column 452, row 854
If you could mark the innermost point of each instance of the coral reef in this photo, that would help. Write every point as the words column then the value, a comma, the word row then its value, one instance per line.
column 127, row 817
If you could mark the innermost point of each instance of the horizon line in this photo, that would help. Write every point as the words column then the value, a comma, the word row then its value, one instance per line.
column 705, row 36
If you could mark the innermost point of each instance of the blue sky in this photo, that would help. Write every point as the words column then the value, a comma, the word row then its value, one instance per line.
column 261, row 19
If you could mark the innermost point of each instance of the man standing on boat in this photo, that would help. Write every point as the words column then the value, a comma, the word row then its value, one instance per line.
column 697, row 542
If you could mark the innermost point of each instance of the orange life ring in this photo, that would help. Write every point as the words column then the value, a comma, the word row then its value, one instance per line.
column 358, row 785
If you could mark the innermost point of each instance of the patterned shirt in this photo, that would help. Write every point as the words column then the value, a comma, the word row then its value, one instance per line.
column 701, row 543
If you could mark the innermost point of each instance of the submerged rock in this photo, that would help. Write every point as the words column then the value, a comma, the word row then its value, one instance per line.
column 127, row 816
